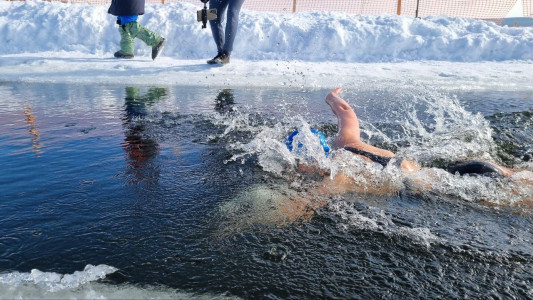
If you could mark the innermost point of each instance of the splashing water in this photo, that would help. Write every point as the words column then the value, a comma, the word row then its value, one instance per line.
column 228, row 171
column 420, row 123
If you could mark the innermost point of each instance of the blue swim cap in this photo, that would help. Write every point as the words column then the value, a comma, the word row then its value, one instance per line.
column 320, row 134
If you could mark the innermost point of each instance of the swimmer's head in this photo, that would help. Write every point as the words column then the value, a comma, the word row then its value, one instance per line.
column 321, row 137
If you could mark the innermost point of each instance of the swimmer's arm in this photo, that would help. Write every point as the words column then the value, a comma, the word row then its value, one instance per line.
column 342, row 183
column 339, row 184
column 301, row 168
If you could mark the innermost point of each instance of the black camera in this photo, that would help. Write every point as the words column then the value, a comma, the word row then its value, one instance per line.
column 206, row 14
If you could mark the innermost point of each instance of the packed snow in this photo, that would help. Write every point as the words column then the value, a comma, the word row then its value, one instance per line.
column 74, row 43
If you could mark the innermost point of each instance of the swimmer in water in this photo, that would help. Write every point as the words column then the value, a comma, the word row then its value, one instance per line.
column 282, row 206
column 418, row 178
column 349, row 138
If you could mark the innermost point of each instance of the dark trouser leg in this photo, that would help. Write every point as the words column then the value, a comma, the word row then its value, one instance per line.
column 216, row 25
column 232, row 24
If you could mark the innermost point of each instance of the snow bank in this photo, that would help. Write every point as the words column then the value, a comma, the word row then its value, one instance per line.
column 37, row 26
column 74, row 43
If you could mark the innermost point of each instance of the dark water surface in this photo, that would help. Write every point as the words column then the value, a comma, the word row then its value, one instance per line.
column 136, row 178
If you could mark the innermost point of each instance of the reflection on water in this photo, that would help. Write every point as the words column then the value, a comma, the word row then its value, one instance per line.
column 33, row 129
column 227, row 214
column 224, row 101
column 139, row 144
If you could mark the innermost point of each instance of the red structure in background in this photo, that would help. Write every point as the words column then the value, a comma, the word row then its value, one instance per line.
column 477, row 9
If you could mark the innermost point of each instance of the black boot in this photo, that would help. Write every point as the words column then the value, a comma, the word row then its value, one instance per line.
column 120, row 54
column 158, row 48
column 222, row 58
column 213, row 60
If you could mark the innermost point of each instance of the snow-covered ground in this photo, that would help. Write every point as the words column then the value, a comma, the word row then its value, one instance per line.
column 74, row 43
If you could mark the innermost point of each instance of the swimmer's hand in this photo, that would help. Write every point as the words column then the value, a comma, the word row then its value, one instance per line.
column 337, row 104
column 333, row 94
column 336, row 91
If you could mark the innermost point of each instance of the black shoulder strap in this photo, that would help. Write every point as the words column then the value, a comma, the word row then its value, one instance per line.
column 373, row 157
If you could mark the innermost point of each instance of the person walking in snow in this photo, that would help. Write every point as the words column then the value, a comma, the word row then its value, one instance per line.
column 224, row 39
column 127, row 13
